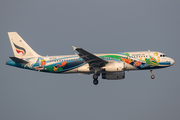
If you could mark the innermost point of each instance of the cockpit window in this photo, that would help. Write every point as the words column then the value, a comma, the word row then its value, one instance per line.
column 163, row 55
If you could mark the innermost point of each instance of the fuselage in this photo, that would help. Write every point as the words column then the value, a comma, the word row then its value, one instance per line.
column 74, row 64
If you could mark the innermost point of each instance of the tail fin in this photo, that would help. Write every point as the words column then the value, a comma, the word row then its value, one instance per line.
column 20, row 48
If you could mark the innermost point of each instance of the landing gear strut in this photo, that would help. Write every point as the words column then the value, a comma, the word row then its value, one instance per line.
column 95, row 81
column 152, row 76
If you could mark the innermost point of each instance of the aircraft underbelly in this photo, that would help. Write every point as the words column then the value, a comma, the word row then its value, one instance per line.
column 130, row 67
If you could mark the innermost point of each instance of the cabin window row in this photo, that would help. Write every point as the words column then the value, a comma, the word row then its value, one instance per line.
column 139, row 56
column 66, row 60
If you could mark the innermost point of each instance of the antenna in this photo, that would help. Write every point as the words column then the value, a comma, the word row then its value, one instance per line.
column 149, row 52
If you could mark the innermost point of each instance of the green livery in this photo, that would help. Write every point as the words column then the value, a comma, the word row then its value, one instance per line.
column 151, row 61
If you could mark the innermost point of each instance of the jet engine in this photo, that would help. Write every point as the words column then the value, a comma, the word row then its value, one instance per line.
column 114, row 66
column 114, row 75
column 84, row 68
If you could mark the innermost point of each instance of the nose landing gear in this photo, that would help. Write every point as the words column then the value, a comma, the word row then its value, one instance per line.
column 152, row 76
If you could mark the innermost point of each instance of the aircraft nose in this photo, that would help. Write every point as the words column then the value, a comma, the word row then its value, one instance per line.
column 172, row 62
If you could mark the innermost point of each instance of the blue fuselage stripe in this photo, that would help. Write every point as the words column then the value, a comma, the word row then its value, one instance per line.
column 164, row 63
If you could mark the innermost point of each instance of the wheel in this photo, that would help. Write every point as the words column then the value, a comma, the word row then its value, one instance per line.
column 152, row 76
column 95, row 82
column 95, row 77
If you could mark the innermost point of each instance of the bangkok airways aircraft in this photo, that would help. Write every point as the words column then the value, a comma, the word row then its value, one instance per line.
column 111, row 66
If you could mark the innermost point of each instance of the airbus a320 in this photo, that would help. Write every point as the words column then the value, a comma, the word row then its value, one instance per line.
column 111, row 66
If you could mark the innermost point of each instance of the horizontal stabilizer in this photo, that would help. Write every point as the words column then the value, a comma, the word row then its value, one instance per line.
column 17, row 60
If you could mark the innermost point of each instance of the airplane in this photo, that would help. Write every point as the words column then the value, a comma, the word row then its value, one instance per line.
column 110, row 66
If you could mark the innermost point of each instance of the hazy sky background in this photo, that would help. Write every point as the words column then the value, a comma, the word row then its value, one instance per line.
column 51, row 27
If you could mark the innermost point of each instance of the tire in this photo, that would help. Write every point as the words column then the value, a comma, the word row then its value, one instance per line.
column 95, row 77
column 152, row 76
column 95, row 82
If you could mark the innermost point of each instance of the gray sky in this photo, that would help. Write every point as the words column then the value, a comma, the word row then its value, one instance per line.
column 99, row 26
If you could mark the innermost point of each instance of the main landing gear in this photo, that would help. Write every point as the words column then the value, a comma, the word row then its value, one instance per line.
column 95, row 81
column 152, row 76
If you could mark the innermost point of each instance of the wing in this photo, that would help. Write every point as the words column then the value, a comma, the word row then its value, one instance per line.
column 93, row 60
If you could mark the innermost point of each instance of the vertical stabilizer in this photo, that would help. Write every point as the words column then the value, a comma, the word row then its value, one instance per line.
column 20, row 48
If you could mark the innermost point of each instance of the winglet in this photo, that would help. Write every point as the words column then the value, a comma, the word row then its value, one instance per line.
column 74, row 48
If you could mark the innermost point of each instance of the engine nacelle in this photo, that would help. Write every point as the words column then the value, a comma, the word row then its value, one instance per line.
column 84, row 68
column 114, row 75
column 114, row 66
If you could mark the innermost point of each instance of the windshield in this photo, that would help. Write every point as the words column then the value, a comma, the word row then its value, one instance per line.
column 163, row 55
